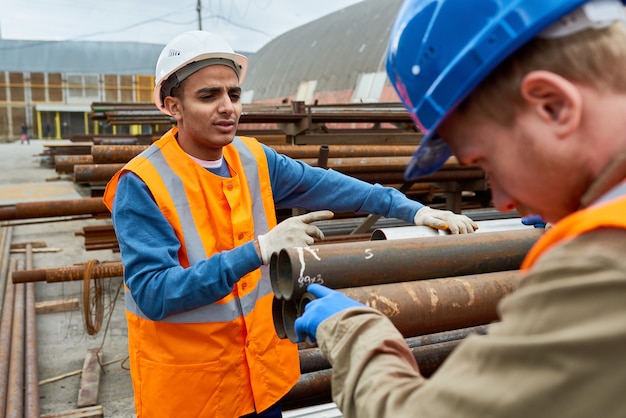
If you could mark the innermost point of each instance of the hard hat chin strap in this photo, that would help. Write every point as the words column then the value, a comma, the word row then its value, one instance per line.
column 595, row 14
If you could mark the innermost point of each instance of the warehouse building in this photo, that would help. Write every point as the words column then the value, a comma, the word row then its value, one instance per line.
column 50, row 86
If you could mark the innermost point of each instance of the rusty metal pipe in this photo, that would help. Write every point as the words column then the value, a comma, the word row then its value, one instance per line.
column 103, row 154
column 315, row 387
column 322, row 159
column 381, row 169
column 427, row 306
column 344, row 265
column 69, row 273
column 90, row 173
column 28, row 210
column 437, row 305
column 15, row 395
column 66, row 163
column 311, row 359
column 31, row 394
column 6, row 332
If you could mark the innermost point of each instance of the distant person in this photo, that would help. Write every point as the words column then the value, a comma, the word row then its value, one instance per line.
column 24, row 137
column 195, row 218
column 47, row 130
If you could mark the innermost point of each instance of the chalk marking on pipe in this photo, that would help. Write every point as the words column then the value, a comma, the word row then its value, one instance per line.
column 306, row 280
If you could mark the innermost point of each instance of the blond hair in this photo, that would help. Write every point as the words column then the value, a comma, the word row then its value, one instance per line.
column 592, row 57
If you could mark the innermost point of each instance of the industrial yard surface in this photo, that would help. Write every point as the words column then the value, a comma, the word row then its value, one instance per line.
column 61, row 339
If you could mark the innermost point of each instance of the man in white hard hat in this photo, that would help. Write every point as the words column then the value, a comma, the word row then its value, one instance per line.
column 195, row 219
column 534, row 92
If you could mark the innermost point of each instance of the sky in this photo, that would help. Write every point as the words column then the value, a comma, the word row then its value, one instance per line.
column 247, row 25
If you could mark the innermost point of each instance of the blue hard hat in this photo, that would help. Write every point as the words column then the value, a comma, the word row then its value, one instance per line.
column 440, row 50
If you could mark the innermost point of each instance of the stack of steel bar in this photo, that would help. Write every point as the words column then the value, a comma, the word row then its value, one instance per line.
column 447, row 286
column 19, row 385
column 442, row 284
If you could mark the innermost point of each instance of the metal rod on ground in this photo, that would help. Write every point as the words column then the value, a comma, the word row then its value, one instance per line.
column 31, row 404
column 6, row 331
column 15, row 395
column 344, row 265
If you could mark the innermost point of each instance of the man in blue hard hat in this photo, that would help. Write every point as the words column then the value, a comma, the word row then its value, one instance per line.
column 534, row 92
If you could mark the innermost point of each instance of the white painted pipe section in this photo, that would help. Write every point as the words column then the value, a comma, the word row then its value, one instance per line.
column 402, row 232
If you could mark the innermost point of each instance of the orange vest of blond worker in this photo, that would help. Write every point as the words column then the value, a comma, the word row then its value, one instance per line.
column 225, row 356
column 609, row 211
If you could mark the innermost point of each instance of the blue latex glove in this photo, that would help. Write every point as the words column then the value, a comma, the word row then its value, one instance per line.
column 328, row 303
column 534, row 220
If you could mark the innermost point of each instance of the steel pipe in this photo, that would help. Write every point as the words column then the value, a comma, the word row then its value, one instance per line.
column 69, row 273
column 28, row 210
column 425, row 306
column 372, row 169
column 311, row 359
column 6, row 332
column 315, row 387
column 31, row 379
column 123, row 153
column 91, row 173
column 344, row 265
column 15, row 395
column 66, row 163
column 436, row 305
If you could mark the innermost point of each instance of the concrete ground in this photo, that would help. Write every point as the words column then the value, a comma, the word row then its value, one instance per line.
column 62, row 339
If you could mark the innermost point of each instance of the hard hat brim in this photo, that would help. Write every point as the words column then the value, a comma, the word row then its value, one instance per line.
column 429, row 157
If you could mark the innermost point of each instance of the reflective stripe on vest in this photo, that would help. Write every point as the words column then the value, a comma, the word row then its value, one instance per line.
column 214, row 312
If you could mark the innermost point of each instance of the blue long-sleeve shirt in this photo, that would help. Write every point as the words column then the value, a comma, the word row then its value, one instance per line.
column 149, row 248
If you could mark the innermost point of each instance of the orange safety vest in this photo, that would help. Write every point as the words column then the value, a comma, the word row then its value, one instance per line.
column 222, row 359
column 609, row 212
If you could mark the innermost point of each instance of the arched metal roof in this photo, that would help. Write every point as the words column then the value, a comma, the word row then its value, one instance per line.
column 332, row 50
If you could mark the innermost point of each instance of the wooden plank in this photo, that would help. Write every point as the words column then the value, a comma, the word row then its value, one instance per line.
column 90, row 380
column 52, row 306
column 90, row 412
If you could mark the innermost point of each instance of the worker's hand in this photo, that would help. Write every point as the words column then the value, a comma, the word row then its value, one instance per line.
column 536, row 221
column 445, row 219
column 292, row 232
column 327, row 303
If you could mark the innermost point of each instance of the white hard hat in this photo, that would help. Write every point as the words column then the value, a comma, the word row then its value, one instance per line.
column 194, row 49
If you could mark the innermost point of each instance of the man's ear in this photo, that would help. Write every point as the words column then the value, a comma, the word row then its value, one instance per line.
column 555, row 99
column 172, row 105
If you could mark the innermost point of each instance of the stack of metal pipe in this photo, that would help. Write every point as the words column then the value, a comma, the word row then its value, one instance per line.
column 19, row 388
column 436, row 290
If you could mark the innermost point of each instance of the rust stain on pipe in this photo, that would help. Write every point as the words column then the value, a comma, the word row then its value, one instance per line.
column 437, row 305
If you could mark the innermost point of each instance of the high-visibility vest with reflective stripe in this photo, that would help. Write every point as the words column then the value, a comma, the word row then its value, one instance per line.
column 222, row 359
column 609, row 211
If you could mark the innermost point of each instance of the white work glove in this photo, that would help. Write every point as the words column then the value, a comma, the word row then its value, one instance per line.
column 292, row 232
column 445, row 219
